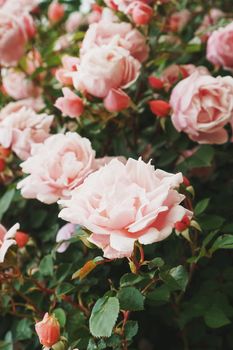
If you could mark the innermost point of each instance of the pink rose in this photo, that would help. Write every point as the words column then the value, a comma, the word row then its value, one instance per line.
column 63, row 42
column 71, row 104
column 7, row 240
column 48, row 330
column 70, row 65
column 65, row 233
column 56, row 11
column 13, row 38
column 202, row 105
column 74, row 21
column 220, row 46
column 121, row 34
column 116, row 100
column 22, row 128
column 209, row 20
column 18, row 7
column 18, row 86
column 104, row 68
column 178, row 20
column 122, row 5
column 36, row 104
column 121, row 204
column 140, row 12
column 56, row 167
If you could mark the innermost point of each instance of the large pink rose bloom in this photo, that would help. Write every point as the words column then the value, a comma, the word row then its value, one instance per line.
column 202, row 105
column 6, row 240
column 220, row 46
column 36, row 104
column 122, row 34
column 105, row 68
column 56, row 167
column 18, row 86
column 13, row 38
column 124, row 203
column 19, row 130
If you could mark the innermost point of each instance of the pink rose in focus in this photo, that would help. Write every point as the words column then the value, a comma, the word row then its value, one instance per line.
column 70, row 65
column 220, row 46
column 56, row 12
column 7, row 240
column 116, row 101
column 13, row 38
column 71, row 104
column 22, row 128
column 104, row 68
column 140, row 12
column 56, row 167
column 202, row 105
column 64, row 234
column 121, row 34
column 121, row 204
column 18, row 86
column 179, row 20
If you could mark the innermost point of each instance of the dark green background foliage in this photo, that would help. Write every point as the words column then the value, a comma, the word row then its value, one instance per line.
column 182, row 297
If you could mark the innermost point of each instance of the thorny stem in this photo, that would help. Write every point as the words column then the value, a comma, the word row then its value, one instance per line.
column 126, row 315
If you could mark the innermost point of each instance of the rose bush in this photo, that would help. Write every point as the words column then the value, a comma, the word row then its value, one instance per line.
column 115, row 162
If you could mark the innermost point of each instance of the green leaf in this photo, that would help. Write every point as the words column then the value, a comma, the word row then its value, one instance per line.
column 64, row 288
column 156, row 262
column 60, row 315
column 131, row 329
column 130, row 279
column 46, row 266
column 7, row 344
column 177, row 279
column 5, row 201
column 23, row 329
column 160, row 294
column 103, row 317
column 222, row 242
column 201, row 206
column 131, row 299
column 216, row 318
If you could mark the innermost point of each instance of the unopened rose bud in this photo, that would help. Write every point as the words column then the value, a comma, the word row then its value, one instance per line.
column 186, row 181
column 48, row 330
column 183, row 224
column 56, row 12
column 155, row 83
column 2, row 165
column 21, row 239
column 160, row 108
column 116, row 100
column 141, row 13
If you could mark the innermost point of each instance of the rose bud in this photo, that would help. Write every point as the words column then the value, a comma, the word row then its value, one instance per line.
column 186, row 181
column 56, row 12
column 71, row 104
column 141, row 13
column 155, row 83
column 48, row 330
column 21, row 239
column 4, row 152
column 160, row 108
column 116, row 100
column 183, row 224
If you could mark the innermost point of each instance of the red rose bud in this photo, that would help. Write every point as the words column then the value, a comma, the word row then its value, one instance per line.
column 56, row 12
column 4, row 152
column 180, row 226
column 21, row 239
column 141, row 13
column 186, row 181
column 48, row 330
column 155, row 83
column 116, row 100
column 160, row 108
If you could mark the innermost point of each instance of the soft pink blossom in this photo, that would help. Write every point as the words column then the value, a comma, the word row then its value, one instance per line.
column 202, row 105
column 140, row 12
column 121, row 34
column 19, row 130
column 122, row 5
column 70, row 105
column 220, row 46
column 18, row 86
column 179, row 20
column 13, row 38
column 20, row 6
column 7, row 240
column 64, row 234
column 36, row 104
column 121, row 204
column 104, row 68
column 56, row 11
column 70, row 65
column 56, row 167
column 116, row 100
column 74, row 21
